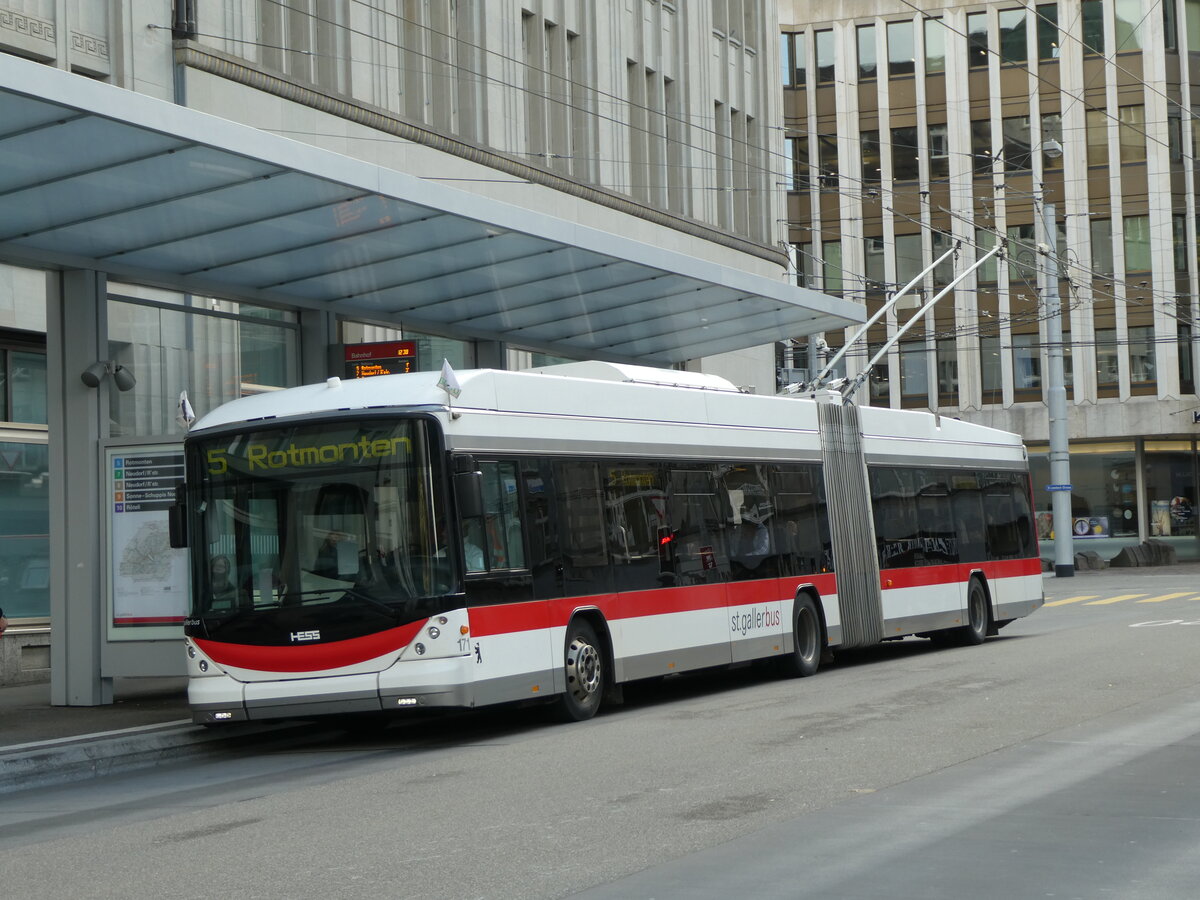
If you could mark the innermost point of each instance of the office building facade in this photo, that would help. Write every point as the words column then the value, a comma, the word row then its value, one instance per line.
column 919, row 128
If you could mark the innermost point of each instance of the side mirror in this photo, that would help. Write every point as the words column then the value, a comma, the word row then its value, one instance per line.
column 177, row 518
column 468, row 494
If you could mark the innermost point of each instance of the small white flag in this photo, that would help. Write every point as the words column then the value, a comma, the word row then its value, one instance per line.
column 185, row 416
column 449, row 381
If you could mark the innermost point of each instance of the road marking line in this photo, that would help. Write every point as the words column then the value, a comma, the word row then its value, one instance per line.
column 1071, row 600
column 1166, row 597
column 1117, row 599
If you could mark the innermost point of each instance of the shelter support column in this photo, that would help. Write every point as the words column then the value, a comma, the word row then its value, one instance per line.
column 75, row 338
column 488, row 355
column 318, row 346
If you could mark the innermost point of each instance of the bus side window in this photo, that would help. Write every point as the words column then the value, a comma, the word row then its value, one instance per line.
column 1003, row 518
column 797, row 520
column 695, row 551
column 494, row 540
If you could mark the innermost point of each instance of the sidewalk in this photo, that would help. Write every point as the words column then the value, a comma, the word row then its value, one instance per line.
column 148, row 723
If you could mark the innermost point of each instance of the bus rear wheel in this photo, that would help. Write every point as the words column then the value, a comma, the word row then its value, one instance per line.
column 805, row 658
column 976, row 629
column 584, row 674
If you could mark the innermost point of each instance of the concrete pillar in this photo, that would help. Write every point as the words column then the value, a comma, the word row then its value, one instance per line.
column 76, row 336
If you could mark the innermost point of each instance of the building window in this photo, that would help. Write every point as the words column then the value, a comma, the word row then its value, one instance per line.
column 825, row 56
column 1022, row 258
column 1179, row 243
column 1014, row 47
column 1132, row 131
column 831, row 269
column 990, row 370
column 1018, row 144
column 805, row 267
column 1191, row 11
column 1102, row 248
column 914, row 374
column 1170, row 27
column 1128, row 16
column 1137, row 244
column 791, row 58
column 908, row 258
column 1052, row 131
column 827, row 148
column 1093, row 27
column 308, row 40
column 798, row 156
column 981, row 146
column 939, row 152
column 873, row 254
column 868, row 62
column 985, row 241
column 1107, row 368
column 1187, row 378
column 977, row 41
column 905, row 166
column 1027, row 364
column 871, row 172
column 1141, row 355
column 944, row 272
column 935, row 46
column 22, row 385
column 947, row 372
column 901, row 49
column 1047, row 31
column 1097, row 137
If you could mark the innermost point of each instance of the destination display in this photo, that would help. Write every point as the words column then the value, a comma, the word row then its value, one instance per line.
column 381, row 358
column 147, row 578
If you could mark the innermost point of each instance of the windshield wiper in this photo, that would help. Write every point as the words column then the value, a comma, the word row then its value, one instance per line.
column 329, row 592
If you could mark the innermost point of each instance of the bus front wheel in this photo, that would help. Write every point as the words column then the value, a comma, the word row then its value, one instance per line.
column 583, row 671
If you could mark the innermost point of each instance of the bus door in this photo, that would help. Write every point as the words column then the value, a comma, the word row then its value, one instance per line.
column 755, row 608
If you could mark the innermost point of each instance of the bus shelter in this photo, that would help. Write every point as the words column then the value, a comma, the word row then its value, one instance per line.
column 97, row 182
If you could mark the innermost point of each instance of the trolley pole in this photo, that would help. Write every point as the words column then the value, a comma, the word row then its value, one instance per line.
column 1056, row 404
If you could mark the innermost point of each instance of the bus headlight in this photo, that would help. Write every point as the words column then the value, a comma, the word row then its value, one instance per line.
column 434, row 632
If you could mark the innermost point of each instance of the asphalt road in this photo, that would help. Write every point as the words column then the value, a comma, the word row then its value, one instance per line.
column 1057, row 760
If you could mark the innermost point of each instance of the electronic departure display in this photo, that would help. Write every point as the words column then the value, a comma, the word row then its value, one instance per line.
column 381, row 358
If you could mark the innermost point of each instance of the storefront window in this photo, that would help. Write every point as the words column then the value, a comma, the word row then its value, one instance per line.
column 213, row 355
column 1171, row 488
column 24, row 526
column 1104, row 491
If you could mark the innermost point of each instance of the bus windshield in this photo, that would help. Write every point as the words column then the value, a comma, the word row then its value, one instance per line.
column 336, row 526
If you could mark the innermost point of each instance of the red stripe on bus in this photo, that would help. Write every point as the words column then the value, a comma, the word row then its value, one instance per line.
column 310, row 657
column 958, row 573
column 514, row 617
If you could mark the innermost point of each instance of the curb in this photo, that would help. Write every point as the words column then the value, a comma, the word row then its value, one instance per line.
column 65, row 760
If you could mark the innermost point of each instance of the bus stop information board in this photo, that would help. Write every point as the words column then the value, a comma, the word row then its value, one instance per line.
column 147, row 578
column 381, row 358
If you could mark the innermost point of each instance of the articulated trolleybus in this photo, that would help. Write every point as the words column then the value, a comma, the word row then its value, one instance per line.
column 380, row 545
